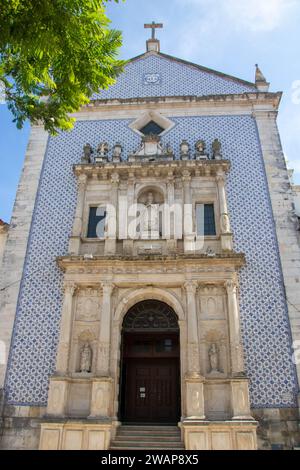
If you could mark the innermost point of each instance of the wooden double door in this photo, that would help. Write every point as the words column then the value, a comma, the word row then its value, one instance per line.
column 151, row 379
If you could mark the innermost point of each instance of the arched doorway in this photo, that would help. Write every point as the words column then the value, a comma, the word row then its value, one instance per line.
column 150, row 365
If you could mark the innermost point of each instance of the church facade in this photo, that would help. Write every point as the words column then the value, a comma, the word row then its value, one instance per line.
column 151, row 271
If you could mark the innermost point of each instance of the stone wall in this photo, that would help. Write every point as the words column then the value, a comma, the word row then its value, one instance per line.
column 3, row 236
column 16, row 244
column 277, row 429
column 282, row 200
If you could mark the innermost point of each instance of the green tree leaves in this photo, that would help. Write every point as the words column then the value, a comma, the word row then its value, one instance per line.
column 54, row 54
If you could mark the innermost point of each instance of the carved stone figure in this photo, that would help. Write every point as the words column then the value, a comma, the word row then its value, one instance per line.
column 184, row 150
column 151, row 149
column 86, row 358
column 150, row 216
column 102, row 149
column 200, row 147
column 117, row 152
column 213, row 354
column 210, row 252
column 216, row 149
column 87, row 153
column 169, row 150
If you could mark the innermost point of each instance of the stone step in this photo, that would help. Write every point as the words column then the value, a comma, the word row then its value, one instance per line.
column 148, row 433
column 131, row 427
column 144, row 446
column 150, row 442
column 148, row 437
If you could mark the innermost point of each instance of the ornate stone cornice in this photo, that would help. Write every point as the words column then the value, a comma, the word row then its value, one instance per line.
column 243, row 98
column 152, row 263
column 124, row 170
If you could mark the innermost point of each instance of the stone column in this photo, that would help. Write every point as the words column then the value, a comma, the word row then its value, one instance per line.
column 188, row 233
column 63, row 351
column 226, row 235
column 74, row 243
column 128, row 243
column 103, row 353
column 193, row 341
column 194, row 381
column 170, row 215
column 237, row 363
column 112, row 211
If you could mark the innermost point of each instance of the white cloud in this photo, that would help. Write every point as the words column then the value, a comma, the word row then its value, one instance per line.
column 210, row 21
column 257, row 15
column 253, row 15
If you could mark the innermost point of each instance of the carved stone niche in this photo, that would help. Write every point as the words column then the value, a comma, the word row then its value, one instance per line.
column 84, row 353
column 212, row 303
column 150, row 203
column 214, row 353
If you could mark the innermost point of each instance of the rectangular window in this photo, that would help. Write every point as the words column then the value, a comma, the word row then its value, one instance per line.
column 205, row 219
column 96, row 225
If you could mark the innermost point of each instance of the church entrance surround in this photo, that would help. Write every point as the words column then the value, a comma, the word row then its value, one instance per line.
column 150, row 365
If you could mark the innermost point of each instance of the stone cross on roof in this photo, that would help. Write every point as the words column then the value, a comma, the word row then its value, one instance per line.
column 153, row 26
column 153, row 42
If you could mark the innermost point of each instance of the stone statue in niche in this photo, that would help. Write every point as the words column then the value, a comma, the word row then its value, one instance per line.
column 213, row 354
column 87, row 154
column 150, row 218
column 86, row 358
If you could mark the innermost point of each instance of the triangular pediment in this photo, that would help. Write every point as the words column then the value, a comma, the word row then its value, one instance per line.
column 157, row 74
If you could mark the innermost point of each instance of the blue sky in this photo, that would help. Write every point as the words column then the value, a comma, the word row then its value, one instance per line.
column 225, row 35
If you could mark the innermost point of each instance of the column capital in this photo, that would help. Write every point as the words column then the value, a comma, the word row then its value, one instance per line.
column 186, row 176
column 231, row 286
column 191, row 286
column 131, row 178
column 220, row 177
column 82, row 179
column 170, row 177
column 69, row 288
column 115, row 178
column 107, row 287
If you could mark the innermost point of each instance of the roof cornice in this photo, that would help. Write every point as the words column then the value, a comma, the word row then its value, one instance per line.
column 250, row 98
